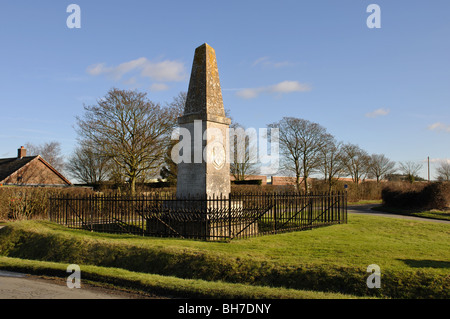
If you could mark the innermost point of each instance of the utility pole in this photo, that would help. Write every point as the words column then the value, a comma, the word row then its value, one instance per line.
column 428, row 169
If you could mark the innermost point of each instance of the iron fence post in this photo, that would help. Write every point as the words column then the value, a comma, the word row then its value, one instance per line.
column 229, row 216
column 255, row 214
column 275, row 208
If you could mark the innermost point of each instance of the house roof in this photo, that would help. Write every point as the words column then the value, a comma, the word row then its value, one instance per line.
column 9, row 166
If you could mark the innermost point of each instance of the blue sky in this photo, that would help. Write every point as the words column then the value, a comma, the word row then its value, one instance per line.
column 386, row 89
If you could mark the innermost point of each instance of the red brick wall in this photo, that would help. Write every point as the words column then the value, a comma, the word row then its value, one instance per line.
column 283, row 180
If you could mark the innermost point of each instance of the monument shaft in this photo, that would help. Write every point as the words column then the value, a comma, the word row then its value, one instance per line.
column 204, row 114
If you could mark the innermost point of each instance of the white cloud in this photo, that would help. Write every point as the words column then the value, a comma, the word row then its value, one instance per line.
column 96, row 69
column 124, row 68
column 159, row 87
column 438, row 160
column 438, row 126
column 282, row 88
column 289, row 86
column 116, row 72
column 378, row 112
column 164, row 71
column 260, row 60
column 249, row 93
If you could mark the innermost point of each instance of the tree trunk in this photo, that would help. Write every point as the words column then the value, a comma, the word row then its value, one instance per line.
column 132, row 185
column 305, row 180
column 297, row 182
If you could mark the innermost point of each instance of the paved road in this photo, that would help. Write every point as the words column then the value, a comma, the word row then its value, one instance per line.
column 367, row 210
column 21, row 286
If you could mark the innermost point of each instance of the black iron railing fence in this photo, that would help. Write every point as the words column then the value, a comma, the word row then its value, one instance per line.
column 238, row 215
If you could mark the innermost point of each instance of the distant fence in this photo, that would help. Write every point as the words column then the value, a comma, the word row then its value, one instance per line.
column 216, row 218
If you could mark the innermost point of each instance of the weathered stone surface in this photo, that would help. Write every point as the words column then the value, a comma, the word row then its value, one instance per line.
column 204, row 99
column 211, row 175
column 207, row 174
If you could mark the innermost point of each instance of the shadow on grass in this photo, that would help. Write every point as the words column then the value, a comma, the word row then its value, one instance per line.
column 426, row 263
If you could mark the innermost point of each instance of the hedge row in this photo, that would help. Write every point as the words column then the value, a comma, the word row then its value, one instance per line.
column 417, row 196
column 19, row 203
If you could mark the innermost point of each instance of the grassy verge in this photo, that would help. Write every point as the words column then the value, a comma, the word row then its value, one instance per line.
column 161, row 285
column 433, row 214
column 413, row 256
column 365, row 202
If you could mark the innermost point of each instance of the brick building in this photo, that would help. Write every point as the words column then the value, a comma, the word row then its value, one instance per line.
column 29, row 171
column 284, row 180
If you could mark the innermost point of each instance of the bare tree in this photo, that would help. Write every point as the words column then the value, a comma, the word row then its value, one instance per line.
column 380, row 166
column 177, row 105
column 443, row 171
column 87, row 166
column 169, row 169
column 301, row 142
column 50, row 151
column 410, row 169
column 243, row 152
column 130, row 130
column 355, row 160
column 331, row 165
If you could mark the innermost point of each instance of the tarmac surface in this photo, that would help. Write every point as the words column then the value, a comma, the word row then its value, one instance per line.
column 22, row 286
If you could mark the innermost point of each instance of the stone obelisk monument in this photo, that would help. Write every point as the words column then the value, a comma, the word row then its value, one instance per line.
column 208, row 172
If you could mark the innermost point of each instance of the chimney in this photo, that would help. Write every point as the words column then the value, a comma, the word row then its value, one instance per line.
column 21, row 152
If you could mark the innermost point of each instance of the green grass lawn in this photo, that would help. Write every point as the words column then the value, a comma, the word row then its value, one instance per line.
column 366, row 202
column 436, row 214
column 414, row 256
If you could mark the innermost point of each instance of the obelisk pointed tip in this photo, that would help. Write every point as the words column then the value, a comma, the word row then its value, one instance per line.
column 204, row 95
column 205, row 47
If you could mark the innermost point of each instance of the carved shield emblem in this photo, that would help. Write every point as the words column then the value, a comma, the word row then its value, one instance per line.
column 217, row 154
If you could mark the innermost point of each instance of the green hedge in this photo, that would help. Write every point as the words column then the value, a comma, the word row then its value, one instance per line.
column 22, row 202
column 420, row 196
column 248, row 182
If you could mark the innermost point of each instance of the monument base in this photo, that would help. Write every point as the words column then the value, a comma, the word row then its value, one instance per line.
column 201, row 219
